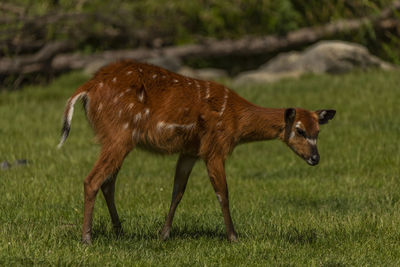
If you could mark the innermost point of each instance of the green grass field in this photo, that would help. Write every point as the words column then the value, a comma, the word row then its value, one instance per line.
column 344, row 211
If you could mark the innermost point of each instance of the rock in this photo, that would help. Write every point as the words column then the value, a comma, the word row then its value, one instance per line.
column 264, row 77
column 5, row 165
column 20, row 162
column 94, row 66
column 169, row 63
column 333, row 57
column 203, row 74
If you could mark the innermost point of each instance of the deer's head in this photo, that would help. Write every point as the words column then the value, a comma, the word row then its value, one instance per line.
column 302, row 129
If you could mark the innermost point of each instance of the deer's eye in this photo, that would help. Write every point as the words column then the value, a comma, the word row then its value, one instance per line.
column 301, row 132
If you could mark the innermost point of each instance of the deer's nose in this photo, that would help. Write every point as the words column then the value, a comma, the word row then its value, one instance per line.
column 315, row 159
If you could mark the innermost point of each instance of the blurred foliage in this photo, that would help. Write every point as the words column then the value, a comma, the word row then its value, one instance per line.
column 159, row 23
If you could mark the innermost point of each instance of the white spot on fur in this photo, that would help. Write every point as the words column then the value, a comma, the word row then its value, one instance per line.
column 146, row 112
column 115, row 99
column 135, row 135
column 219, row 123
column 312, row 141
column 298, row 124
column 128, row 90
column 126, row 125
column 140, row 70
column 141, row 96
column 100, row 107
column 129, row 72
column 138, row 117
column 175, row 80
column 101, row 85
column 121, row 94
column 219, row 198
column 119, row 113
column 114, row 80
column 154, row 76
column 163, row 76
column 130, row 106
column 189, row 83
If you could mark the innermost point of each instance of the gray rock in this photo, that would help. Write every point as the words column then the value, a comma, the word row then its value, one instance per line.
column 5, row 165
column 323, row 57
column 203, row 74
column 20, row 162
column 94, row 66
column 169, row 63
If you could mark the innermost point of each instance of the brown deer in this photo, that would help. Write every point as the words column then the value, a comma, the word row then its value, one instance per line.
column 131, row 104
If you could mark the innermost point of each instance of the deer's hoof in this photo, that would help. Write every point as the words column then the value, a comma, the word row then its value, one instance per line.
column 232, row 238
column 87, row 240
column 164, row 235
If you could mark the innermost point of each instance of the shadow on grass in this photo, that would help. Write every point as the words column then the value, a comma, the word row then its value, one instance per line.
column 177, row 233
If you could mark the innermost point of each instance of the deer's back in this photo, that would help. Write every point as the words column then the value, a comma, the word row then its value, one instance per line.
column 148, row 106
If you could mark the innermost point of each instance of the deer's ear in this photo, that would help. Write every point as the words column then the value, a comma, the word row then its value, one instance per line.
column 290, row 115
column 324, row 115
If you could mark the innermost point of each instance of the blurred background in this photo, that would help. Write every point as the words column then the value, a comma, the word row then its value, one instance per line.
column 41, row 39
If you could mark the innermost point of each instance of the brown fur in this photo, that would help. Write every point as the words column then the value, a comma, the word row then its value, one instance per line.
column 130, row 104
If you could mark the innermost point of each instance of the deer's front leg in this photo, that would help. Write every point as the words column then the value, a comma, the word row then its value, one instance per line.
column 216, row 172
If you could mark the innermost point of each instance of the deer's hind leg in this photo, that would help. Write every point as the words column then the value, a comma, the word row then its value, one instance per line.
column 183, row 169
column 106, row 167
column 108, row 189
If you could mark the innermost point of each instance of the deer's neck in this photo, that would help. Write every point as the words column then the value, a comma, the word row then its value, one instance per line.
column 258, row 123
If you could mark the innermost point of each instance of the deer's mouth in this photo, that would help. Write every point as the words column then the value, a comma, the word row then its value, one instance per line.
column 313, row 160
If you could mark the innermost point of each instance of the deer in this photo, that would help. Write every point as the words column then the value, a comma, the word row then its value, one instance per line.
column 137, row 105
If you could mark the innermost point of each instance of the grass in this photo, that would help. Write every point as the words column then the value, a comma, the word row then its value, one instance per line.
column 345, row 211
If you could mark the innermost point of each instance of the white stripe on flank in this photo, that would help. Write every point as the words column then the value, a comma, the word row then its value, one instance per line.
column 207, row 90
column 224, row 104
column 160, row 125
column 126, row 125
column 170, row 126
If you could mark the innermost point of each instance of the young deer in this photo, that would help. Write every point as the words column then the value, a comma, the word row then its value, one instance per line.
column 130, row 104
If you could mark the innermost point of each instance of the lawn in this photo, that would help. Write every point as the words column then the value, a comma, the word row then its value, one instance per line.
column 344, row 211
